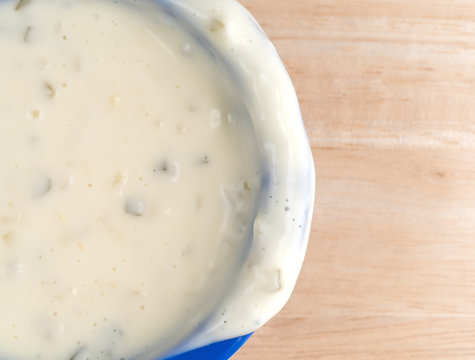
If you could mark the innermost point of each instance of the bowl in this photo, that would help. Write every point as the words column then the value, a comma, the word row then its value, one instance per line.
column 269, row 264
column 222, row 350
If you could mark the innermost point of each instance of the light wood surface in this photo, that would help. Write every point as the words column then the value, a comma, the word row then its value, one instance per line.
column 387, row 90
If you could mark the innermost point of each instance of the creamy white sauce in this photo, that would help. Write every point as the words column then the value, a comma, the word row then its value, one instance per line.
column 130, row 175
column 122, row 173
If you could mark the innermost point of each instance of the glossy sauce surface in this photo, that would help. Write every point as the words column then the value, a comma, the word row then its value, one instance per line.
column 126, row 176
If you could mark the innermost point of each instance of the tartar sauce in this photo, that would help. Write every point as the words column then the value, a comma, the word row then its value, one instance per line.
column 149, row 161
column 127, row 181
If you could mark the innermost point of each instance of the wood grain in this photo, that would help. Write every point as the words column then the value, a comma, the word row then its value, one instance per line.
column 387, row 91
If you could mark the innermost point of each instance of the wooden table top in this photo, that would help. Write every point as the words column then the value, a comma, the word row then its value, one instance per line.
column 387, row 91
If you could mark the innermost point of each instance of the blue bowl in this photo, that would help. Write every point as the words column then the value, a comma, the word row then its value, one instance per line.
column 222, row 350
